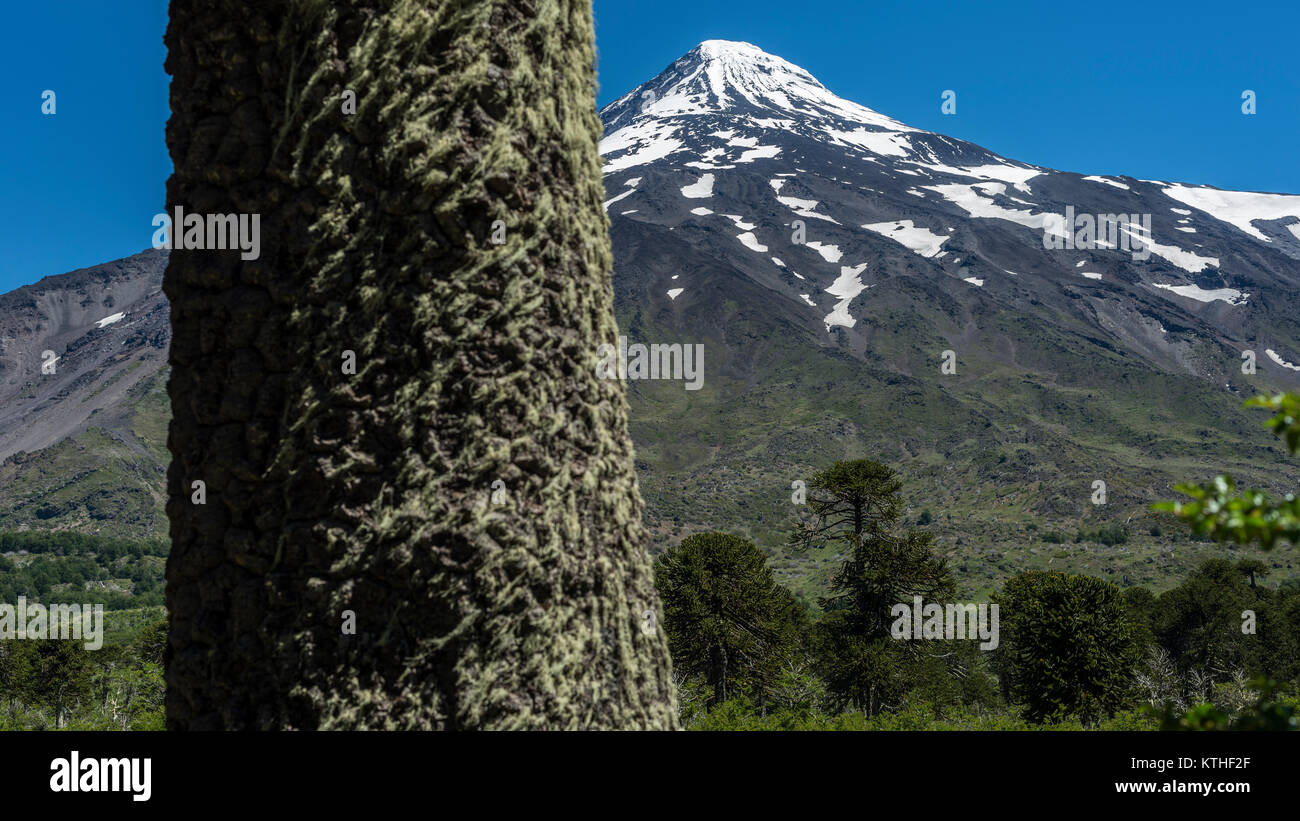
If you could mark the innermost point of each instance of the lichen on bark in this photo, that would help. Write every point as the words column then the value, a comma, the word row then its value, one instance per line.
column 476, row 362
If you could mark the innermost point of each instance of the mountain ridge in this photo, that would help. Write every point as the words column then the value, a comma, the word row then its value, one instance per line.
column 1072, row 365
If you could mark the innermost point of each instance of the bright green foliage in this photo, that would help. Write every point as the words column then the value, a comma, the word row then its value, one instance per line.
column 51, row 684
column 74, row 567
column 1219, row 512
column 740, row 714
column 727, row 619
column 1068, row 646
column 1269, row 712
column 1286, row 420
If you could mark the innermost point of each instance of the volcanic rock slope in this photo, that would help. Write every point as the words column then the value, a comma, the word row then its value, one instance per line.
column 827, row 256
column 83, row 404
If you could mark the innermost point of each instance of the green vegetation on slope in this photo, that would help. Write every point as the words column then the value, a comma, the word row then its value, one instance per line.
column 106, row 480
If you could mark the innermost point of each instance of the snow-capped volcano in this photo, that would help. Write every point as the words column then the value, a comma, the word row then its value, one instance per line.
column 741, row 79
column 831, row 260
column 738, row 84
column 837, row 198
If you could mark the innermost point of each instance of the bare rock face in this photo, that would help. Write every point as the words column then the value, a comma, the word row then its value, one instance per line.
column 334, row 495
column 107, row 322
column 83, row 359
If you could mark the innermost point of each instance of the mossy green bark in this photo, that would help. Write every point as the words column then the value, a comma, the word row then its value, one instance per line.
column 476, row 362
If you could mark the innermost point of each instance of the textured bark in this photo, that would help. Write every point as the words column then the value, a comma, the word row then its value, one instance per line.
column 475, row 363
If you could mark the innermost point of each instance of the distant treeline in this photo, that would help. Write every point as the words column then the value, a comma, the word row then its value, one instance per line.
column 69, row 561
column 64, row 543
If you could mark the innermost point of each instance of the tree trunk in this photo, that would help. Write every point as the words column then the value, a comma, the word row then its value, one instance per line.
column 373, row 493
column 719, row 675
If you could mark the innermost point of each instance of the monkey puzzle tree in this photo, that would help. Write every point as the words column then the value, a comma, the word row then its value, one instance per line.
column 727, row 619
column 1068, row 646
column 60, row 676
column 1199, row 621
column 856, row 504
column 418, row 507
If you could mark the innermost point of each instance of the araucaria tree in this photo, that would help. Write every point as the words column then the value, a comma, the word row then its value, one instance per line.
column 400, row 496
column 728, row 621
column 855, row 505
column 1068, row 646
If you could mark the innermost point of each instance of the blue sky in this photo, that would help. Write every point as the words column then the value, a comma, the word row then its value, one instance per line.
column 80, row 185
column 1149, row 89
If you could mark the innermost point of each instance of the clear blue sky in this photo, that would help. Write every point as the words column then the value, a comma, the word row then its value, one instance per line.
column 1148, row 89
column 80, row 185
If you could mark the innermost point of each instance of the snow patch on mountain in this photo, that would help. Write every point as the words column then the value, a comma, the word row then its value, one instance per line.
column 804, row 208
column 976, row 203
column 762, row 152
column 846, row 286
column 1273, row 355
column 915, row 238
column 644, row 142
column 1105, row 181
column 1238, row 208
column 1187, row 260
column 1017, row 176
column 700, row 189
column 830, row 253
column 885, row 143
column 1196, row 292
